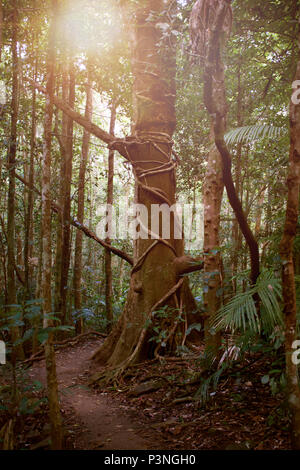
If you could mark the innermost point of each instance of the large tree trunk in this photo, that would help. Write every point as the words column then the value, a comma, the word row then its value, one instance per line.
column 288, row 274
column 155, row 278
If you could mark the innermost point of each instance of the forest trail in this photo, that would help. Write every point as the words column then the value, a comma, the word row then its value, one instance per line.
column 99, row 417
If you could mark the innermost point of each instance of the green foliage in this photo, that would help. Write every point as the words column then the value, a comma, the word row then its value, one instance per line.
column 28, row 318
column 160, row 323
column 240, row 313
column 248, row 134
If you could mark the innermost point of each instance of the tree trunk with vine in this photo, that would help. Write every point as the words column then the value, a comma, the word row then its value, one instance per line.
column 156, row 280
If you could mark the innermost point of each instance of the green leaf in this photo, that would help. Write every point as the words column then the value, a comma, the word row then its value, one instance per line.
column 249, row 134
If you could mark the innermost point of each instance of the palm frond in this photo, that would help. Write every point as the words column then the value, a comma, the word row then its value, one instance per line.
column 240, row 312
column 247, row 134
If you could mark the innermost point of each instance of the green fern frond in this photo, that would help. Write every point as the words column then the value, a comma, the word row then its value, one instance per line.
column 240, row 312
column 247, row 134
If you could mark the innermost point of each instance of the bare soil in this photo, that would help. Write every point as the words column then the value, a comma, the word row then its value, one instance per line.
column 95, row 420
column 242, row 414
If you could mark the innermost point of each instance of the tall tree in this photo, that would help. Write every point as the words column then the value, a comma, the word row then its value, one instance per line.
column 288, row 270
column 52, row 387
column 28, row 242
column 212, row 198
column 62, row 139
column 11, row 242
column 156, row 276
column 67, row 180
column 110, row 200
column 211, row 25
column 77, row 280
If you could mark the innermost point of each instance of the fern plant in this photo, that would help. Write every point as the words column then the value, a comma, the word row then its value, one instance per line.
column 248, row 134
column 240, row 313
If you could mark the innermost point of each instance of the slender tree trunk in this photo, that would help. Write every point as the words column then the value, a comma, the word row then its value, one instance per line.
column 288, row 274
column 28, row 242
column 212, row 198
column 11, row 248
column 214, row 99
column 65, row 255
column 110, row 197
column 80, row 206
column 59, row 230
column 54, row 408
column 210, row 27
column 236, row 232
column 38, row 287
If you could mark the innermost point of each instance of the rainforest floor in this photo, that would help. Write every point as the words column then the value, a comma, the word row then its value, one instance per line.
column 152, row 406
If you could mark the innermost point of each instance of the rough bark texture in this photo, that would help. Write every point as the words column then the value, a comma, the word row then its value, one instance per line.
column 54, row 408
column 80, row 206
column 212, row 198
column 288, row 275
column 155, row 278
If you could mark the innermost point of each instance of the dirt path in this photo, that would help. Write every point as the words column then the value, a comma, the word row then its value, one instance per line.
column 100, row 419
